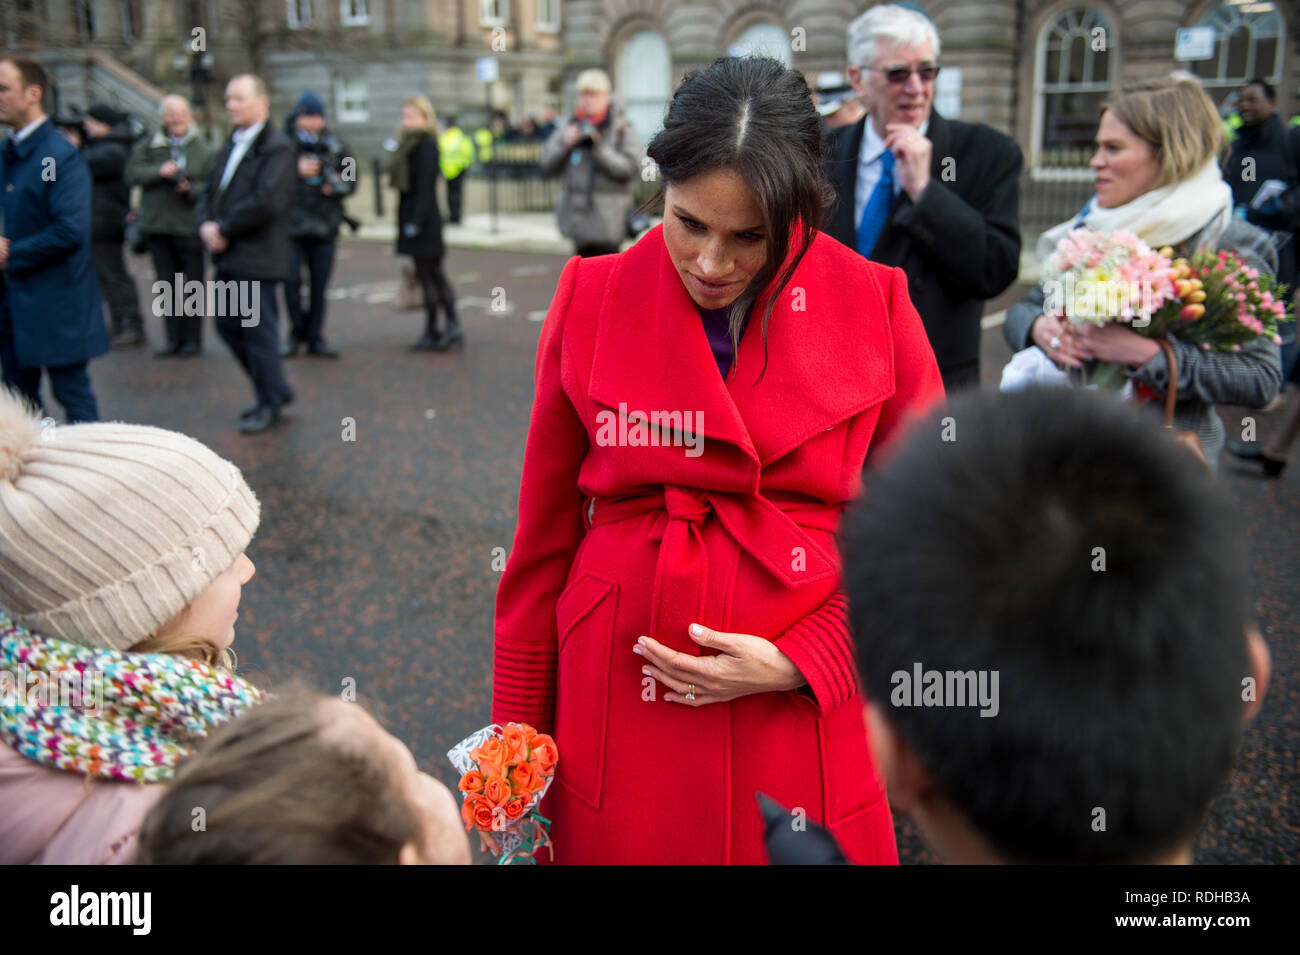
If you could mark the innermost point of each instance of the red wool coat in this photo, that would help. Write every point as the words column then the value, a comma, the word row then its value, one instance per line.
column 617, row 539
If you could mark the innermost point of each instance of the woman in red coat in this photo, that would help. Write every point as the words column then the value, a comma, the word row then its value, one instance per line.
column 687, row 466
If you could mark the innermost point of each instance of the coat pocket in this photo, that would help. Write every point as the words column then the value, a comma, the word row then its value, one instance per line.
column 850, row 779
column 584, row 617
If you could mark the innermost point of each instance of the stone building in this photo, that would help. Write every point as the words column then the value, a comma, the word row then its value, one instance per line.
column 1036, row 69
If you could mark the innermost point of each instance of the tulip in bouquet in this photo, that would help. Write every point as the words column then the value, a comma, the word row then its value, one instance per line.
column 1220, row 303
column 505, row 772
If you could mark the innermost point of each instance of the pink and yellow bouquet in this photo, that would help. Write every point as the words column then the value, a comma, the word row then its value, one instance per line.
column 1211, row 299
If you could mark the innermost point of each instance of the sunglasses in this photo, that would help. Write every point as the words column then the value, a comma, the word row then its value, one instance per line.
column 898, row 75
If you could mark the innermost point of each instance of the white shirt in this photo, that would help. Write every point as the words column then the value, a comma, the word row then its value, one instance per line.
column 243, row 139
column 28, row 129
column 869, row 167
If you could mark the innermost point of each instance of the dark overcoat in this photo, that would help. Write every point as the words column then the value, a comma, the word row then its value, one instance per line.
column 50, row 286
column 959, row 243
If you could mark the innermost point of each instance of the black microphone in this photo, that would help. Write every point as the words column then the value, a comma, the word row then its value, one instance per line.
column 789, row 844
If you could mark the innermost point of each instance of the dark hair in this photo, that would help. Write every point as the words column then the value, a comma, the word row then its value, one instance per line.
column 753, row 115
column 275, row 790
column 1270, row 94
column 1060, row 540
column 31, row 73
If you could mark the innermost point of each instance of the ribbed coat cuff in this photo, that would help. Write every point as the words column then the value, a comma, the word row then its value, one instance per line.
column 523, row 685
column 821, row 646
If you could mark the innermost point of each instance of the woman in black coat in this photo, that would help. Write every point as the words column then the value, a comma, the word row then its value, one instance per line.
column 413, row 169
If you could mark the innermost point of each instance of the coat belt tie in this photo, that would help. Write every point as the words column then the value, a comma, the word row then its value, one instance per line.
column 762, row 527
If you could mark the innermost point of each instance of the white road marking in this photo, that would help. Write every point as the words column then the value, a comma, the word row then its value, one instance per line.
column 538, row 269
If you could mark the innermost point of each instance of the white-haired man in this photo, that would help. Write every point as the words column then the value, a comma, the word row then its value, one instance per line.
column 170, row 167
column 937, row 197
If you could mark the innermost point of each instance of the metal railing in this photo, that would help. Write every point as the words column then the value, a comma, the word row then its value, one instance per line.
column 1052, row 189
column 516, row 170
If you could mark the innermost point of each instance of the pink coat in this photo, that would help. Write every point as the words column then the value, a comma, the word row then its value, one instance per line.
column 52, row 817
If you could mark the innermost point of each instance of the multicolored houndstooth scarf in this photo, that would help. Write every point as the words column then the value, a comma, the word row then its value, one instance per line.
column 124, row 716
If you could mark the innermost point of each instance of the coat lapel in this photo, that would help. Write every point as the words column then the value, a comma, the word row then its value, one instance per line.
column 652, row 353
column 825, row 361
column 829, row 355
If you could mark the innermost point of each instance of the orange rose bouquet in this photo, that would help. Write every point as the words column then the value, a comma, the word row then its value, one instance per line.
column 505, row 772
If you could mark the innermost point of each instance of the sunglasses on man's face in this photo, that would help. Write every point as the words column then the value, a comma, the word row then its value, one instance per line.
column 898, row 75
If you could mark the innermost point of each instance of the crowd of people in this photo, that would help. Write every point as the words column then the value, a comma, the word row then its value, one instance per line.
column 265, row 207
column 694, row 629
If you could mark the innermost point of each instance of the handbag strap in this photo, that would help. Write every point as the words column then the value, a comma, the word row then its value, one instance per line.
column 1171, row 392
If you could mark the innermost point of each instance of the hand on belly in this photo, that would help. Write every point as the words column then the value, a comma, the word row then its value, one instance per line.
column 744, row 664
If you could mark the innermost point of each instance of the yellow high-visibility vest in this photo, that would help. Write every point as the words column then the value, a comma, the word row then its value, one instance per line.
column 1231, row 125
column 455, row 152
column 483, row 137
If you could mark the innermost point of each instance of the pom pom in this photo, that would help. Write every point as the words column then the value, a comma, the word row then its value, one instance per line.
column 19, row 430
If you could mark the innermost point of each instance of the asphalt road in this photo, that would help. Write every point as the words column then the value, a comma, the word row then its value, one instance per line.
column 375, row 556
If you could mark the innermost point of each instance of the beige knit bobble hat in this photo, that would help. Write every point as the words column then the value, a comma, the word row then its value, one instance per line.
column 109, row 530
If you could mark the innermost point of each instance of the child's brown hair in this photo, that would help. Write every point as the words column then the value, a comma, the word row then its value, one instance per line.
column 276, row 786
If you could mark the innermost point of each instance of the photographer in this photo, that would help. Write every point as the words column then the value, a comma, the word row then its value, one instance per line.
column 108, row 139
column 326, row 173
column 170, row 167
column 598, row 152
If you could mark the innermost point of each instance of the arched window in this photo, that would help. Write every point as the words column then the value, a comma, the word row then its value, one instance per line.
column 644, row 82
column 1247, row 43
column 1073, row 75
column 764, row 39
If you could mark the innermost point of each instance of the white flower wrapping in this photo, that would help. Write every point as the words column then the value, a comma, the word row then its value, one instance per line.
column 509, row 837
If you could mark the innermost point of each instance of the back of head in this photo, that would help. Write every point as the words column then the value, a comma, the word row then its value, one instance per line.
column 1177, row 118
column 1056, row 540
column 277, row 786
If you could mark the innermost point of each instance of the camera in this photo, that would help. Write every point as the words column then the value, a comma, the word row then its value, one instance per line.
column 317, row 149
column 587, row 132
column 177, row 156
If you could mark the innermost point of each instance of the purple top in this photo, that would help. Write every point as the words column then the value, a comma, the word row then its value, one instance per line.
column 716, row 324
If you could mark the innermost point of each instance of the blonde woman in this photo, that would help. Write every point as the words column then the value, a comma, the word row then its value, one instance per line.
column 121, row 563
column 1156, row 172
column 413, row 172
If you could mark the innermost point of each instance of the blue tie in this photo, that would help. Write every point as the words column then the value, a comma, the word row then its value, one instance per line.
column 876, row 212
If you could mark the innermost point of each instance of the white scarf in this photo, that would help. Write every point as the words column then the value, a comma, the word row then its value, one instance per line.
column 1165, row 216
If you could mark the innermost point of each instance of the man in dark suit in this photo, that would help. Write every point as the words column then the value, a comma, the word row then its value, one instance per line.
column 244, row 215
column 50, row 311
column 937, row 197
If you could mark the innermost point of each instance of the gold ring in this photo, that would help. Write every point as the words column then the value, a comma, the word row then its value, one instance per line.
column 690, row 691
